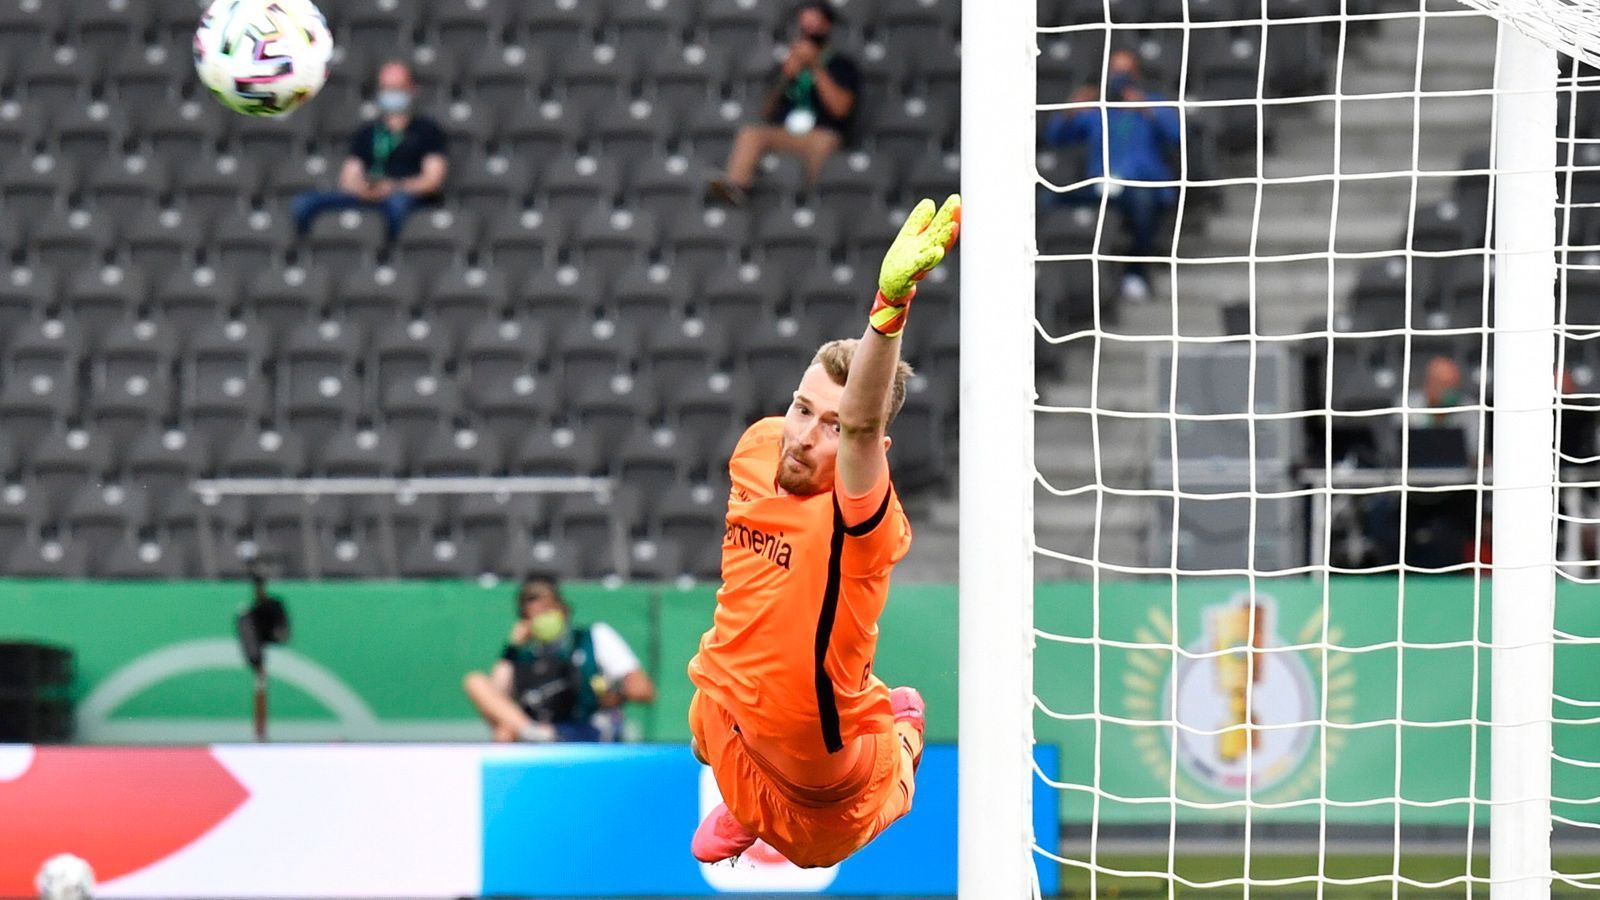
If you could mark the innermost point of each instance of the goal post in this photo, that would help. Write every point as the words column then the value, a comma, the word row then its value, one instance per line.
column 996, row 449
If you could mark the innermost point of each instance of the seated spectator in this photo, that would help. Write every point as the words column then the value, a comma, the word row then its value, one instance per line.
column 1136, row 148
column 396, row 161
column 554, row 681
column 808, row 110
column 1439, row 393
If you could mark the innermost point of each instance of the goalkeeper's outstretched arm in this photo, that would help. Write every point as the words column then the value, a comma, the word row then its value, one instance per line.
column 864, row 406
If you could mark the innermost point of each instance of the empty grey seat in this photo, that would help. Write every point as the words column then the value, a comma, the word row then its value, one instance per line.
column 707, row 411
column 123, row 186
column 457, row 453
column 291, row 524
column 598, row 528
column 413, row 407
column 702, row 240
column 163, row 461
column 852, row 183
column 57, row 75
column 557, row 451
column 463, row 296
column 182, row 132
column 922, row 21
column 163, row 241
column 294, row 175
column 508, row 77
column 520, row 240
column 25, row 294
column 347, row 238
column 65, row 459
column 609, row 408
column 795, row 241
column 593, row 351
column 488, row 184
column 315, row 350
column 263, row 453
column 639, row 26
column 22, row 127
column 189, row 299
column 146, row 558
column 131, row 383
column 104, row 296
column 104, row 515
column 32, row 186
column 465, row 26
column 317, row 409
column 106, row 26
column 217, row 410
column 500, row 350
column 710, row 129
column 438, row 556
column 544, row 554
column 26, row 25
column 741, row 295
column 691, row 515
column 373, row 295
column 498, row 524
column 917, row 457
column 20, row 514
column 212, row 524
column 70, row 241
column 739, row 23
column 144, row 76
column 556, row 26
column 252, row 240
column 89, row 131
column 613, row 239
column 684, row 78
column 683, row 353
column 377, row 24
column 575, row 184
column 905, row 131
column 349, row 554
column 270, row 137
column 50, row 557
column 935, row 175
column 409, row 349
column 437, row 239
column 634, row 131
column 467, row 123
column 545, row 129
column 596, row 75
column 650, row 459
column 281, row 297
column 774, row 355
column 216, row 185
column 666, row 184
column 395, row 520
column 557, row 296
column 32, row 405
column 360, row 451
column 834, row 297
column 52, row 347
column 511, row 407
column 651, row 295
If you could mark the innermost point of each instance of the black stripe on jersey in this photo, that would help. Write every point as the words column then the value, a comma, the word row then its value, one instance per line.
column 871, row 522
column 827, row 704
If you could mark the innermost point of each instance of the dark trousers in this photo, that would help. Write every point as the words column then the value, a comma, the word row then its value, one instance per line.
column 1141, row 209
column 395, row 207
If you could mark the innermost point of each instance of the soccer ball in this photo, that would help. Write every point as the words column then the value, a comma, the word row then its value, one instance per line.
column 263, row 57
column 65, row 877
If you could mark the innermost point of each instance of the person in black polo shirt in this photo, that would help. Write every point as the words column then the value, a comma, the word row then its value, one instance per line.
column 808, row 111
column 396, row 161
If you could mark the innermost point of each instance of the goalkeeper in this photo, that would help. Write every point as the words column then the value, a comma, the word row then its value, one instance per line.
column 812, row 752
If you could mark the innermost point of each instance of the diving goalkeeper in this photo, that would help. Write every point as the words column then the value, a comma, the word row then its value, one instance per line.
column 812, row 752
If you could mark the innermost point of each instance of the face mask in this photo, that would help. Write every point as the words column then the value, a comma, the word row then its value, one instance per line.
column 1116, row 84
column 546, row 627
column 820, row 39
column 394, row 101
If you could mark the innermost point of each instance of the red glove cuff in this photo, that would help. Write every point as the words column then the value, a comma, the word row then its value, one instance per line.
column 888, row 318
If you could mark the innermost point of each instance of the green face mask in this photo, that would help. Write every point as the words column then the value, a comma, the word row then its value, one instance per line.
column 546, row 627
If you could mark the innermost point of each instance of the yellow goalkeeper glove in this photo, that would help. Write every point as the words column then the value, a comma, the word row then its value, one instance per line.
column 921, row 244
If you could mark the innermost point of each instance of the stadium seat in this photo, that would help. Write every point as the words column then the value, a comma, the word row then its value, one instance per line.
column 281, row 297
column 346, row 239
column 706, row 410
column 650, row 295
column 794, row 241
column 521, row 240
column 610, row 240
column 26, row 25
column 22, row 128
column 559, row 295
column 56, row 76
column 235, row 348
column 127, row 185
column 86, row 132
column 438, row 239
column 557, row 451
column 145, row 76
column 146, row 558
column 25, row 294
column 318, row 349
column 464, row 26
column 456, row 452
column 101, row 297
column 851, row 184
column 773, row 356
column 512, row 407
column 315, row 410
column 215, row 185
column 691, row 516
column 665, row 185
column 633, row 132
column 66, row 458
column 546, row 129
column 905, row 131
column 439, row 556
column 835, row 297
column 31, row 186
column 639, row 26
column 649, row 460
column 210, row 523
column 190, row 299
column 68, row 241
column 556, row 26
column 376, row 24
column 361, row 451
column 593, row 351
column 506, row 77
column 131, row 382
column 710, row 128
column 575, row 184
column 53, row 347
column 494, row 351
column 597, row 529
column 53, row 556
column 375, row 295
column 738, row 23
column 163, row 242
column 348, row 554
column 409, row 349
column 594, row 76
column 291, row 523
column 217, row 410
column 464, row 296
column 651, row 560
column 264, row 452
column 412, row 408
column 683, row 78
column 163, row 461
column 183, row 132
column 484, row 184
column 741, row 295
column 467, row 123
column 253, row 240
column 702, row 240
column 105, row 515
column 106, row 26
column 20, row 515
column 917, row 456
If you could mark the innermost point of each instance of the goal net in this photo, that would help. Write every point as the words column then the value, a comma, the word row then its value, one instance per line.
column 1314, row 378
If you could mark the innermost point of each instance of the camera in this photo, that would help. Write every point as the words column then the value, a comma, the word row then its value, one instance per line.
column 265, row 621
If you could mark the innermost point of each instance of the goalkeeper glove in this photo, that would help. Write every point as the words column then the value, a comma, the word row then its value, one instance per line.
column 921, row 244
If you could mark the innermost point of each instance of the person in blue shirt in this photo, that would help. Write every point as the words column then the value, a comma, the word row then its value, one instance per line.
column 1136, row 148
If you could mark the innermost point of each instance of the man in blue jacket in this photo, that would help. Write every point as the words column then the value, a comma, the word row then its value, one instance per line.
column 1136, row 147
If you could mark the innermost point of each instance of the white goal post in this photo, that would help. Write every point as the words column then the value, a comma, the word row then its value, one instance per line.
column 1146, row 620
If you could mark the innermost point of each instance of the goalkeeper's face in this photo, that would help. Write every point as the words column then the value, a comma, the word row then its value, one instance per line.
column 810, row 444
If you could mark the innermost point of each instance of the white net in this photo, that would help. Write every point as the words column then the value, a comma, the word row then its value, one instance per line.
column 1264, row 436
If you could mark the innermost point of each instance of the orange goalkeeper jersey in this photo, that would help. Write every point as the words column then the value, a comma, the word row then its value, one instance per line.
column 791, row 644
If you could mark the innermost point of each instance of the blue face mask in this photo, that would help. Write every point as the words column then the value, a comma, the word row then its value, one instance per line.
column 394, row 101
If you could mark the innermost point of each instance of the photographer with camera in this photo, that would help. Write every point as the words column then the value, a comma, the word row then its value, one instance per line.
column 808, row 110
column 1136, row 146
column 555, row 681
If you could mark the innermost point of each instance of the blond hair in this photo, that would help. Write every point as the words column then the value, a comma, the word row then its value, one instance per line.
column 835, row 357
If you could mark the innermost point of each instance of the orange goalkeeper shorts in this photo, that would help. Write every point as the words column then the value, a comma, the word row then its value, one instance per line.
column 811, row 827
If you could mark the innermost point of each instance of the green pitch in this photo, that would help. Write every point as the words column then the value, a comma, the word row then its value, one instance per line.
column 1423, row 868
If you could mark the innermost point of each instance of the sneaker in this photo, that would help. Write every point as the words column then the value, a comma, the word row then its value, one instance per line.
column 908, row 706
column 720, row 837
column 727, row 192
column 1135, row 289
